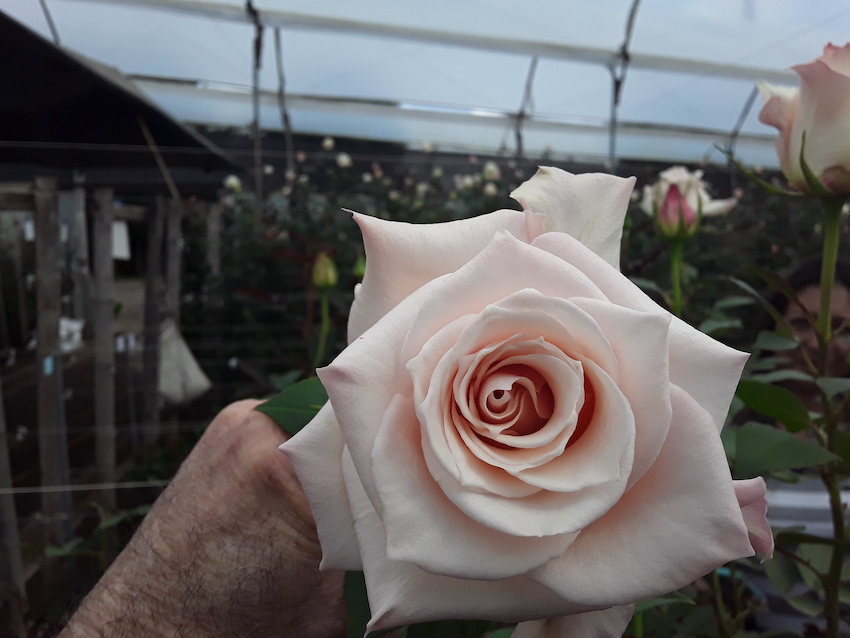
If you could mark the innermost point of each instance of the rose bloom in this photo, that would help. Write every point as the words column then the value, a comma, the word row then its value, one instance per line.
column 691, row 203
column 516, row 432
column 820, row 108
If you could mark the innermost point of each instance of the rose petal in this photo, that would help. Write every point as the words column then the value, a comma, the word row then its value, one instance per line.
column 449, row 543
column 503, row 268
column 590, row 207
column 688, row 494
column 402, row 594
column 713, row 382
column 365, row 377
column 603, row 623
column 648, row 395
column 316, row 454
column 780, row 105
column 717, row 207
column 401, row 257
column 752, row 498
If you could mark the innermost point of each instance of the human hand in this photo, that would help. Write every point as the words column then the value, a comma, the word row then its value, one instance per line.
column 228, row 549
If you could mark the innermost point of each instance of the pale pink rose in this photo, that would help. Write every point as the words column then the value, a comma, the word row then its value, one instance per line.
column 820, row 108
column 692, row 189
column 516, row 432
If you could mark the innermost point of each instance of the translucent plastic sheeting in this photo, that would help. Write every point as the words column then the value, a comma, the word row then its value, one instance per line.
column 395, row 80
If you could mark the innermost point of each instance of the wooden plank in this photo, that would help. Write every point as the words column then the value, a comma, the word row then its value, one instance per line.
column 52, row 435
column 13, row 593
column 104, row 344
column 5, row 342
column 16, row 256
column 153, row 321
column 15, row 200
column 78, row 256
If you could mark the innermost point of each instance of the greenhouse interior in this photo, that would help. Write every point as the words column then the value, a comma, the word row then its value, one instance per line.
column 546, row 304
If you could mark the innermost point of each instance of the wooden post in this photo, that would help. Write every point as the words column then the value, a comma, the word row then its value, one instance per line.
column 20, row 287
column 52, row 435
column 173, row 261
column 104, row 345
column 153, row 319
column 78, row 253
column 4, row 323
column 11, row 565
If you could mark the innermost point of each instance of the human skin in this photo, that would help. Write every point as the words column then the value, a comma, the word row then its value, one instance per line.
column 228, row 549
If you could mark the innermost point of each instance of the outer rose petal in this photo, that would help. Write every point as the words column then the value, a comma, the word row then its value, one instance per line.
column 718, row 207
column 679, row 522
column 590, row 207
column 780, row 106
column 316, row 454
column 402, row 594
column 751, row 495
column 603, row 623
column 402, row 257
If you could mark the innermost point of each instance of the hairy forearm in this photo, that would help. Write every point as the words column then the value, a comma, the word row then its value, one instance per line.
column 229, row 549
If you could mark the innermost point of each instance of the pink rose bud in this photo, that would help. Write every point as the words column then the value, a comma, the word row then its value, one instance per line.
column 675, row 217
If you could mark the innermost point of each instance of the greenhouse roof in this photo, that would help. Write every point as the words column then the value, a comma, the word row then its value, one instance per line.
column 468, row 76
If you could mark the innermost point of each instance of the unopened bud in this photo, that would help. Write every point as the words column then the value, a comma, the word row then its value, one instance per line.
column 324, row 272
column 675, row 216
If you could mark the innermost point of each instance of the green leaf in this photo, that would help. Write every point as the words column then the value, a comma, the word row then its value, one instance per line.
column 673, row 598
column 764, row 303
column 716, row 324
column 776, row 402
column 833, row 385
column 296, row 406
column 805, row 605
column 842, row 445
column 782, row 572
column 786, row 374
column 761, row 449
column 769, row 340
column 68, row 549
column 648, row 285
column 356, row 604
column 733, row 301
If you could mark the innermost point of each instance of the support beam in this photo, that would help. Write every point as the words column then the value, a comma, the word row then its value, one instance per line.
column 104, row 345
column 52, row 435
column 591, row 55
column 12, row 586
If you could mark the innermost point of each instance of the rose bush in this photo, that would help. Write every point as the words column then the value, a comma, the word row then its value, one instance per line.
column 679, row 198
column 516, row 432
column 820, row 108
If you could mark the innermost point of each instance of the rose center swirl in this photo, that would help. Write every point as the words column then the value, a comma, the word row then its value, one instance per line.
column 521, row 394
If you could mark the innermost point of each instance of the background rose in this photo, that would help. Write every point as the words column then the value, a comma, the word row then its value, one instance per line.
column 693, row 191
column 821, row 109
column 508, row 449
